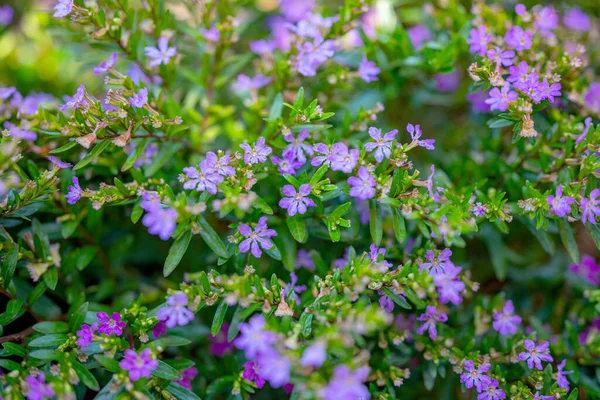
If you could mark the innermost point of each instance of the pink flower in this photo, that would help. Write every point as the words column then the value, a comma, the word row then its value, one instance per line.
column 139, row 366
column 109, row 325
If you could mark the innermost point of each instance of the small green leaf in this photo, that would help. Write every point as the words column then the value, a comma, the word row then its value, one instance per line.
column 109, row 363
column 11, row 365
column 9, row 264
column 95, row 152
column 276, row 107
column 375, row 223
column 49, row 327
column 85, row 376
column 64, row 148
column 77, row 317
column 181, row 393
column 568, row 239
column 316, row 178
column 395, row 298
column 297, row 227
column 341, row 210
column 51, row 278
column 165, row 371
column 176, row 252
column 52, row 340
column 138, row 150
column 212, row 239
column 14, row 349
column 399, row 225
column 45, row 354
column 219, row 318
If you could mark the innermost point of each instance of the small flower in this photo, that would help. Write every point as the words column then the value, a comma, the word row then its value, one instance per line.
column 245, row 83
column 257, row 154
column 576, row 20
column 475, row 376
column 77, row 101
column 314, row 355
column 106, row 65
column 368, row 70
column 347, row 384
column 205, row 179
column 518, row 75
column 63, row 8
column 219, row 344
column 176, row 313
column 499, row 99
column 518, row 39
column 296, row 202
column 139, row 366
column 304, row 259
column 547, row 91
column 254, row 338
column 363, row 185
column 86, row 335
column 139, row 99
column 260, row 235
column 274, row 367
column 252, row 373
column 546, row 18
column 587, row 269
column 297, row 149
column 590, row 207
column 161, row 221
column 211, row 35
column 592, row 97
column 561, row 206
column 159, row 329
column 500, row 56
column 286, row 166
column 415, row 135
column 505, row 321
column 312, row 54
column 563, row 383
column 479, row 40
column 59, row 163
column 535, row 354
column 187, row 375
column 436, row 266
column 294, row 287
column 74, row 191
column 109, row 325
column 343, row 159
column 6, row 15
column 430, row 317
column 449, row 286
column 37, row 387
column 490, row 391
column 381, row 145
column 161, row 54
column 385, row 302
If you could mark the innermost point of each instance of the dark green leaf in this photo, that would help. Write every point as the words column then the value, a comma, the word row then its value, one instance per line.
column 165, row 371
column 568, row 239
column 52, row 340
column 218, row 318
column 92, row 154
column 85, row 376
column 176, row 252
column 395, row 298
column 212, row 239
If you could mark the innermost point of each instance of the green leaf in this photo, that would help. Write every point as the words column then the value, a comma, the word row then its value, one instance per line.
column 85, row 376
column 9, row 264
column 497, row 251
column 49, row 327
column 138, row 150
column 172, row 341
column 568, row 239
column 412, row 296
column 64, row 148
column 306, row 324
column 297, row 227
column 273, row 252
column 176, row 252
column 399, row 225
column 109, row 363
column 395, row 298
column 574, row 395
column 76, row 318
column 11, row 365
column 121, row 187
column 276, row 107
column 541, row 235
column 13, row 307
column 92, row 154
column 218, row 318
column 51, row 278
column 181, row 393
column 594, row 231
column 298, row 103
column 375, row 223
column 212, row 239
column 165, row 153
column 14, row 349
column 341, row 210
column 165, row 371
column 45, row 354
column 316, row 178
column 52, row 340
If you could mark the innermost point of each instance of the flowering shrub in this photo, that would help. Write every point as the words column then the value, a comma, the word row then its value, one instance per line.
column 297, row 199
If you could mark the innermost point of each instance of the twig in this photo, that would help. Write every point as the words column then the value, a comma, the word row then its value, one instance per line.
column 15, row 336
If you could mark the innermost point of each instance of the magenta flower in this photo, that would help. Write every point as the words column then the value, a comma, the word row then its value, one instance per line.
column 139, row 99
column 576, row 20
column 256, row 154
column 219, row 345
column 588, row 269
column 479, row 40
column 518, row 39
column 347, row 384
column 343, row 159
column 274, row 367
column 535, row 354
column 562, row 381
column 475, row 376
column 500, row 56
column 85, row 335
column 437, row 266
column 139, row 366
column 499, row 99
column 254, row 338
column 109, row 325
column 449, row 286
column 368, row 70
column 252, row 373
column 415, row 135
column 63, row 8
column 505, row 321
column 297, row 149
column 314, row 355
column 296, row 202
column 257, row 238
column 286, row 166
column 37, row 387
column 430, row 317
column 106, row 65
column 590, row 207
column 547, row 91
column 159, row 329
column 561, row 206
column 160, row 221
column 363, row 185
column 381, row 144
column 490, row 391
column 75, row 192
column 176, row 313
column 161, row 54
column 187, row 375
column 385, row 302
column 59, row 163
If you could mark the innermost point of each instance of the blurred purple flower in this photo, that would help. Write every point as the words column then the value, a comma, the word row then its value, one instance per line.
column 415, row 135
column 505, row 321
column 314, row 355
column 590, row 207
column 74, row 191
column 478, row 103
column 304, row 259
column 37, row 387
column 187, row 375
column 254, row 338
column 63, row 8
column 85, row 335
column 546, row 18
column 490, row 391
column 138, row 366
column 518, row 39
column 576, row 20
column 106, row 65
column 500, row 56
column 296, row 10
column 562, row 381
column 161, row 54
column 294, row 287
column 588, row 269
column 312, row 54
column 160, row 221
column 219, row 344
column 139, row 99
column 479, row 40
column 252, row 373
column 346, row 384
column 447, row 82
column 343, row 159
column 274, row 367
column 419, row 34
column 6, row 15
column 60, row 164
column 368, row 70
column 449, row 286
column 592, row 97
column 245, row 83
column 561, row 206
column 297, row 149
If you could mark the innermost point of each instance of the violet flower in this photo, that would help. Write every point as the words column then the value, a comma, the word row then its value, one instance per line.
column 518, row 75
column 418, row 35
column 314, row 355
column 274, row 367
column 562, row 381
column 499, row 99
column 297, row 149
column 85, row 335
column 490, row 391
column 256, row 239
column 475, row 376
column 296, row 202
column 368, row 70
column 286, row 166
column 312, row 55
column 63, row 8
column 254, row 338
column 176, row 313
column 347, row 384
column 590, row 207
column 500, row 56
column 479, row 40
column 256, row 154
column 219, row 344
column 106, row 65
column 6, row 15
column 505, row 321
column 304, row 259
column 592, row 97
column 205, row 179
column 449, row 286
column 385, row 302
column 220, row 165
column 415, row 135
column 343, row 159
column 161, row 54
column 518, row 39
column 109, row 325
column 294, row 287
column 363, row 185
column 161, row 221
column 138, row 366
column 561, row 206
column 588, row 269
column 74, row 191
column 245, row 83
column 187, row 375
column 381, row 144
column 139, row 99
column 436, row 266
column 77, row 101
column 251, row 372
column 535, row 354
column 430, row 317
column 546, row 18
column 576, row 20
column 37, row 387
column 60, row 164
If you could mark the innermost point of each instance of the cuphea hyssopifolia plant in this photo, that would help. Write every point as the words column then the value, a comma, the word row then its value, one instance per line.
column 324, row 257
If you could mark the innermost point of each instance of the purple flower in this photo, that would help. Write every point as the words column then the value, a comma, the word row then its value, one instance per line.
column 500, row 56
column 518, row 75
column 296, row 202
column 187, row 375
column 449, row 286
column 326, row 156
column 150, row 201
column 312, row 26
column 347, row 384
column 363, row 185
column 220, row 165
column 418, row 34
column 448, row 82
column 499, row 100
column 161, row 221
column 478, row 103
column 139, row 99
column 587, row 123
column 535, row 354
column 159, row 329
column 211, row 35
column 260, row 235
column 37, row 387
column 314, row 355
column 106, row 65
column 20, row 133
column 161, row 54
column 490, row 391
column 274, row 367
column 74, row 191
column 587, row 269
column 343, row 159
column 176, row 313
column 368, row 70
column 415, row 135
column 312, row 55
column 436, row 266
column 6, row 15
column 296, row 10
column 576, row 20
column 219, row 344
column 559, row 204
column 518, row 39
column 139, row 366
column 592, row 97
column 63, row 8
column 505, row 321
column 475, row 376
column 294, row 287
column 296, row 148
column 547, row 91
column 205, row 179
column 590, row 207
column 286, row 166
column 254, row 338
column 381, row 145
column 6, row 92
column 77, row 101
column 546, row 19
column 479, row 40
column 147, row 155
column 430, row 317
column 385, row 302
column 539, row 396
column 562, row 381
column 109, row 325
column 245, row 83
column 251, row 373
column 86, row 335
column 59, row 163
column 304, row 259
column 258, row 154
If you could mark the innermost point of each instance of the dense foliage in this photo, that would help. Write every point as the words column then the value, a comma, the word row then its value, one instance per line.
column 231, row 199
